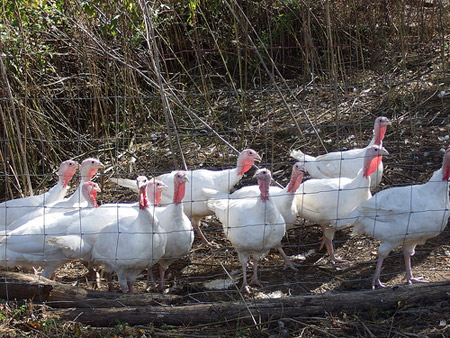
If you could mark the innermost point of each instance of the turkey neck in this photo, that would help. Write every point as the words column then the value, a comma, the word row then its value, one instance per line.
column 143, row 201
column 90, row 194
column 145, row 220
column 264, row 189
column 371, row 164
column 379, row 131
column 443, row 174
column 154, row 194
column 296, row 180
column 244, row 165
column 179, row 192
column 58, row 192
column 65, row 179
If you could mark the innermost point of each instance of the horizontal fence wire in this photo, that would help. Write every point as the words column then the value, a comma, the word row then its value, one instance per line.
column 200, row 276
column 208, row 275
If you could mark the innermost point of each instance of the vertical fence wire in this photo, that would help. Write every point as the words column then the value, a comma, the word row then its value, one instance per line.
column 211, row 128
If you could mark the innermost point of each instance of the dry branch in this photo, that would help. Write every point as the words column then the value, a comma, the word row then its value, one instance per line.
column 103, row 308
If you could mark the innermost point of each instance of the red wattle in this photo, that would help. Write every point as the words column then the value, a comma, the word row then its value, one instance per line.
column 179, row 193
column 373, row 165
column 143, row 202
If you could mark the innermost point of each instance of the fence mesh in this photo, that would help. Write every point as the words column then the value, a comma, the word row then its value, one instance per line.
column 132, row 134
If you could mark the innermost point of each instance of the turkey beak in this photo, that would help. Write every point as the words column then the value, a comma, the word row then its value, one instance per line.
column 186, row 179
column 97, row 188
column 164, row 186
column 258, row 158
column 384, row 151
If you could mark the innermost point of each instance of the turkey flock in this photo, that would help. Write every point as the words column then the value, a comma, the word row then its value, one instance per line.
column 44, row 232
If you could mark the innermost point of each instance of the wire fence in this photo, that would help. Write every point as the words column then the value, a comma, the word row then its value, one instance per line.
column 204, row 274
column 207, row 127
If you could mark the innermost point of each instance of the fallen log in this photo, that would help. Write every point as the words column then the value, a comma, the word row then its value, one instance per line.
column 18, row 286
column 265, row 309
column 100, row 308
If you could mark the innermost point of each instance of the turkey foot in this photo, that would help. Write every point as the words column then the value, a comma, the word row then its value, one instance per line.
column 414, row 280
column 289, row 265
column 287, row 261
column 377, row 283
column 37, row 272
column 257, row 282
column 248, row 289
column 329, row 246
column 340, row 260
column 211, row 245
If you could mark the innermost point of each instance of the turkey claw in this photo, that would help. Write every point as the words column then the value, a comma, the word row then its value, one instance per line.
column 339, row 260
column 37, row 272
column 212, row 245
column 290, row 265
column 377, row 283
column 257, row 282
column 417, row 280
column 248, row 289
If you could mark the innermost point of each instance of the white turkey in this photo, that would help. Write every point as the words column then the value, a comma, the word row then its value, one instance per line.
column 104, row 215
column 80, row 237
column 27, row 246
column 253, row 226
column 404, row 216
column 177, row 226
column 345, row 163
column 283, row 199
column 323, row 201
column 220, row 180
column 14, row 209
column 88, row 169
column 131, row 244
